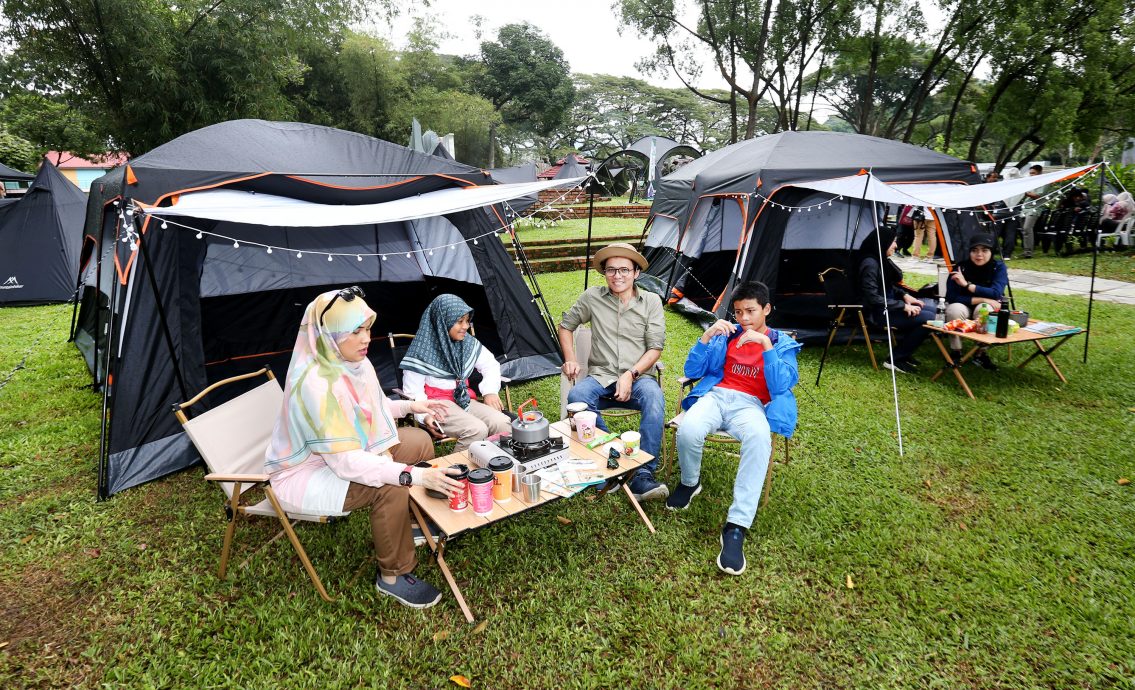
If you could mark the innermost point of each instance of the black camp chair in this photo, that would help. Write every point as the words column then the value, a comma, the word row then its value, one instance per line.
column 843, row 302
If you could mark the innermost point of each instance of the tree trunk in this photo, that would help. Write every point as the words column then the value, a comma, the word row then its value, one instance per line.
column 865, row 107
column 492, row 144
column 949, row 133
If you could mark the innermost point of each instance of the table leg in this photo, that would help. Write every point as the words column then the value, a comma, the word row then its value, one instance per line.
column 1048, row 355
column 438, row 550
column 638, row 508
column 956, row 367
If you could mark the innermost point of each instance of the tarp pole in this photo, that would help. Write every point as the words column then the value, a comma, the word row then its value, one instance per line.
column 1095, row 258
column 108, row 381
column 590, row 215
column 886, row 312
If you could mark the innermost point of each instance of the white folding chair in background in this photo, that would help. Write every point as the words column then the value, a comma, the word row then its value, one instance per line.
column 231, row 439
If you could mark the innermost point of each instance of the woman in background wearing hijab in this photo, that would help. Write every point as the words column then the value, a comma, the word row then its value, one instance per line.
column 1116, row 211
column 980, row 279
column 336, row 448
column 438, row 365
column 883, row 296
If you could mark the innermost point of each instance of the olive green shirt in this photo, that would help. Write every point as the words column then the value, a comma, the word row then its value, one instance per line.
column 620, row 334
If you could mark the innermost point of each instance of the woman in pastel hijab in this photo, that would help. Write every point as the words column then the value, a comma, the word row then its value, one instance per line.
column 437, row 367
column 336, row 447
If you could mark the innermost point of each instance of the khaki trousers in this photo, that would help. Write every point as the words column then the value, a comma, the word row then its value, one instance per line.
column 390, row 506
column 475, row 423
column 923, row 228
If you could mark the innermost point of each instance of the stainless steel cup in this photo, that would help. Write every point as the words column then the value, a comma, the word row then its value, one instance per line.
column 530, row 485
column 516, row 477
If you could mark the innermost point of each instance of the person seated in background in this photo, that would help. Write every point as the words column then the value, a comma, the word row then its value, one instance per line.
column 886, row 302
column 979, row 279
column 335, row 447
column 1112, row 215
column 628, row 332
column 437, row 367
column 747, row 372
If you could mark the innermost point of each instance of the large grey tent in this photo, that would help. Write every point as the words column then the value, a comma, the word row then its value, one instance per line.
column 41, row 238
column 170, row 306
column 735, row 214
column 7, row 173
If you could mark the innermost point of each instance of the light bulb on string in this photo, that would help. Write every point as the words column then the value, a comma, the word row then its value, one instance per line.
column 384, row 257
column 329, row 257
column 236, row 245
column 164, row 225
column 407, row 255
column 269, row 250
column 199, row 235
column 299, row 255
column 359, row 257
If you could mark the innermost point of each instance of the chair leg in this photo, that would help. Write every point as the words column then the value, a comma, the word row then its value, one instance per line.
column 286, row 524
column 867, row 338
column 230, row 530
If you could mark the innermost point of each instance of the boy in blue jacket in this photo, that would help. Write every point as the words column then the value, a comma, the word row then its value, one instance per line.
column 747, row 372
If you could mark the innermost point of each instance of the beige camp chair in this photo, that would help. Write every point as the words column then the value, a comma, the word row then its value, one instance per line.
column 231, row 439
column 582, row 354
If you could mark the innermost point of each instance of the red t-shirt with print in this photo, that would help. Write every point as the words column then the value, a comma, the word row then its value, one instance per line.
column 745, row 370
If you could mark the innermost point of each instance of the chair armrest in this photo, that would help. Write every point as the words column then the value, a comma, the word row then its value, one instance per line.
column 215, row 477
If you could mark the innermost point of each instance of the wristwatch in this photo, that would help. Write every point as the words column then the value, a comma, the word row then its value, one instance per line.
column 634, row 374
column 405, row 478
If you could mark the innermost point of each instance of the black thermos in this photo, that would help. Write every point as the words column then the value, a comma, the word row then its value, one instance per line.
column 1003, row 319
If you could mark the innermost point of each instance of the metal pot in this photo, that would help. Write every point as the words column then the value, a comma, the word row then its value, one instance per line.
column 530, row 428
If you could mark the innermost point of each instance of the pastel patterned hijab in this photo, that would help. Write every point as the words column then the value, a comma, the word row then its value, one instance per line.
column 434, row 353
column 330, row 405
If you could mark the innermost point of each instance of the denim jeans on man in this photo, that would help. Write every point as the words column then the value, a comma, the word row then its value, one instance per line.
column 742, row 416
column 646, row 397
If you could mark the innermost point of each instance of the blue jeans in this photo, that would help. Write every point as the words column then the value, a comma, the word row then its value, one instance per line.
column 742, row 416
column 646, row 396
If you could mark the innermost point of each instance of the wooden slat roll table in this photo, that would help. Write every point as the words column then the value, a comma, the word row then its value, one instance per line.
column 452, row 525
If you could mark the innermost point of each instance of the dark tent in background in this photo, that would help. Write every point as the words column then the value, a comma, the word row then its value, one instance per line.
column 577, row 161
column 41, row 239
column 734, row 215
column 513, row 175
column 170, row 306
column 19, row 180
column 571, row 167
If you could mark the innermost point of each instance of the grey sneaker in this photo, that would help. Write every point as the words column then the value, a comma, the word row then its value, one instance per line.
column 645, row 488
column 410, row 591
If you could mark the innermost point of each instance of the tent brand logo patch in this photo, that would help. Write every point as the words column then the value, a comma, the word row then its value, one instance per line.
column 11, row 284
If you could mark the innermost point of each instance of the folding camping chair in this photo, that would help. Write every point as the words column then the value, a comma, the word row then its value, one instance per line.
column 231, row 439
column 842, row 302
column 722, row 438
column 582, row 354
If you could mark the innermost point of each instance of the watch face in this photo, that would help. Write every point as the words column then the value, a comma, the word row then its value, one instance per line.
column 405, row 478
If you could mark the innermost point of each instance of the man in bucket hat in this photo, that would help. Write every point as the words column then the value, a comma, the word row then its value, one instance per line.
column 628, row 333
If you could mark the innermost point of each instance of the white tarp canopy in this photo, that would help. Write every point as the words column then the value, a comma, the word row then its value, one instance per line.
column 251, row 208
column 939, row 195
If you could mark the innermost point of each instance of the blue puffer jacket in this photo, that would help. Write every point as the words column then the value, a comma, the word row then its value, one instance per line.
column 707, row 361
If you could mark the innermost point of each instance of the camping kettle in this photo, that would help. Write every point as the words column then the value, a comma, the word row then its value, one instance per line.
column 529, row 427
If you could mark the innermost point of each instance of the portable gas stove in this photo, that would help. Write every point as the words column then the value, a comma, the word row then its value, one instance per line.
column 529, row 457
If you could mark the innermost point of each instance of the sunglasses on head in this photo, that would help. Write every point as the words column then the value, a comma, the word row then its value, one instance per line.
column 348, row 294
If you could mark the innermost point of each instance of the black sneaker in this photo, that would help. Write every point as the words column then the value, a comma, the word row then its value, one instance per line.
column 682, row 495
column 913, row 362
column 645, row 488
column 410, row 591
column 731, row 560
column 982, row 360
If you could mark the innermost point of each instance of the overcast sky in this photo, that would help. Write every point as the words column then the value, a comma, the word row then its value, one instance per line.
column 586, row 30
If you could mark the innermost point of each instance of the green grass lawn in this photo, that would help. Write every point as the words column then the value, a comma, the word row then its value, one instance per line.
column 576, row 229
column 1113, row 265
column 997, row 551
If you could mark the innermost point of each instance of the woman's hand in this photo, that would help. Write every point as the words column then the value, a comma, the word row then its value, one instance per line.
column 719, row 327
column 913, row 309
column 958, row 278
column 494, row 401
column 434, row 408
column 438, row 479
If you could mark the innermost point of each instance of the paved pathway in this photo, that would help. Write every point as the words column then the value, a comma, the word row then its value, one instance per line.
column 1053, row 283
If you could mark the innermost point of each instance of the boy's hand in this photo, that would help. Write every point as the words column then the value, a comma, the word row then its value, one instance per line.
column 720, row 327
column 754, row 337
